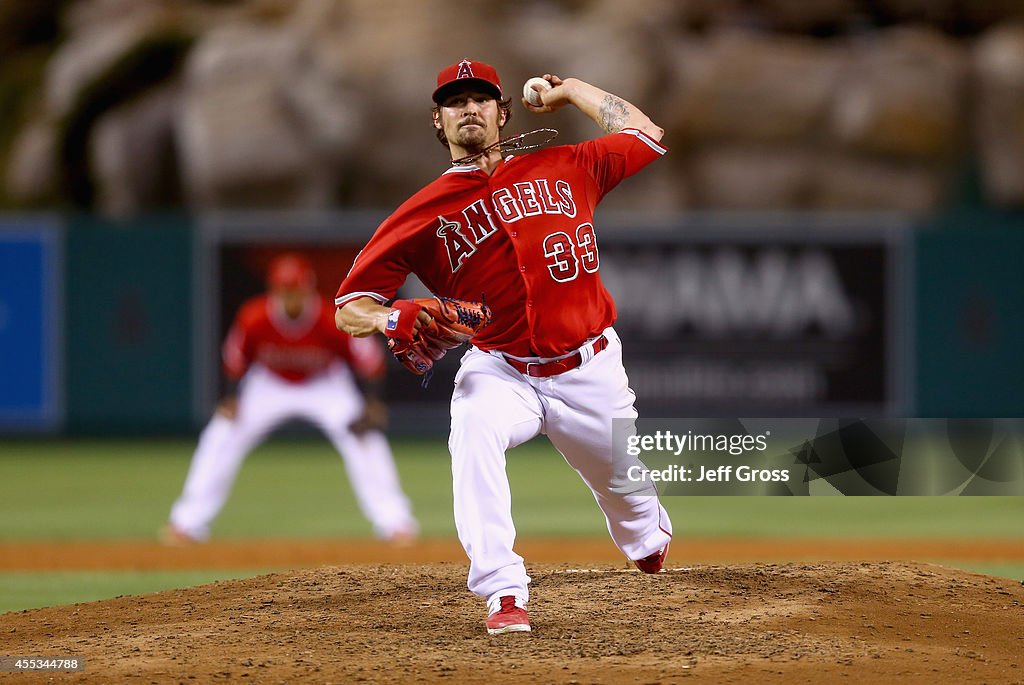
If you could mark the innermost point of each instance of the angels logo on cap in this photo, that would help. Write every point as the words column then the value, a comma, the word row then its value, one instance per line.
column 467, row 74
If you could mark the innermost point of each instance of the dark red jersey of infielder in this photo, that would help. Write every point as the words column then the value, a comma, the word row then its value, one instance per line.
column 522, row 239
column 295, row 349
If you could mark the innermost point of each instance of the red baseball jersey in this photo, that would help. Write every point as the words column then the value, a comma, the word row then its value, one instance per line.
column 295, row 349
column 522, row 239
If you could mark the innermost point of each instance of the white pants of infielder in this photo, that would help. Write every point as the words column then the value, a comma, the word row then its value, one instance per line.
column 495, row 408
column 330, row 401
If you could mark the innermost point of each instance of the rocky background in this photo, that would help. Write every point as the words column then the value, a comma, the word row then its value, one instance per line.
column 125, row 106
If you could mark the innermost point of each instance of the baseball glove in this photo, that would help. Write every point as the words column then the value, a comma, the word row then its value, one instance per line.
column 454, row 323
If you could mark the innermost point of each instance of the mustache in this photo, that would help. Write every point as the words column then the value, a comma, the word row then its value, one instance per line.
column 471, row 120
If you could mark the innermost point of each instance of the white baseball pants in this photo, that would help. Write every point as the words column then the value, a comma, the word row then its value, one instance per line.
column 495, row 408
column 330, row 401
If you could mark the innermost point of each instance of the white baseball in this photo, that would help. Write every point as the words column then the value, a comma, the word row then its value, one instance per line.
column 531, row 95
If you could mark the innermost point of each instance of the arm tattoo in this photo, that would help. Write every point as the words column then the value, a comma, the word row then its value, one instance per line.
column 613, row 114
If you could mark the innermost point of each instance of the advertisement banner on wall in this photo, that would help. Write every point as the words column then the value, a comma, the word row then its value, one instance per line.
column 30, row 324
column 781, row 318
column 769, row 316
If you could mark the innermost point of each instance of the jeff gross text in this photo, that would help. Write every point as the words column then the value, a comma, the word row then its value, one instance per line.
column 701, row 445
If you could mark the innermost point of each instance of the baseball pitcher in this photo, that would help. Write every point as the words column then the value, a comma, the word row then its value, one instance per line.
column 508, row 243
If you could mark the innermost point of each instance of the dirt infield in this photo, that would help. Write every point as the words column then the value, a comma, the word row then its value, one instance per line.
column 770, row 623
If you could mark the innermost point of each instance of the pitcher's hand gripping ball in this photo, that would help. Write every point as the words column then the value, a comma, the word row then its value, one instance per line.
column 532, row 90
column 453, row 323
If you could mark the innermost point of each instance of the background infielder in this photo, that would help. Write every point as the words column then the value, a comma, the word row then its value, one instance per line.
column 293, row 363
column 519, row 232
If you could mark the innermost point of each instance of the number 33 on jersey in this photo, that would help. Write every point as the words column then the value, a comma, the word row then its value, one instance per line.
column 461, row 233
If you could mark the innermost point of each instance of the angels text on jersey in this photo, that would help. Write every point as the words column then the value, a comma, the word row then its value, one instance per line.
column 566, row 253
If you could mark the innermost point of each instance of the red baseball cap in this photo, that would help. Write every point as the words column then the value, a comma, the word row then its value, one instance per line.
column 467, row 74
column 291, row 271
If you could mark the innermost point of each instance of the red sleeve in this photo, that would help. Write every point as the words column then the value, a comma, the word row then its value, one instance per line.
column 611, row 158
column 237, row 350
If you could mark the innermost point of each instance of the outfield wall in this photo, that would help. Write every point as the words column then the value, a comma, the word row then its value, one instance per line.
column 723, row 314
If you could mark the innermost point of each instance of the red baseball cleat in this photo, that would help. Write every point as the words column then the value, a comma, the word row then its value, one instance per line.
column 509, row 618
column 654, row 562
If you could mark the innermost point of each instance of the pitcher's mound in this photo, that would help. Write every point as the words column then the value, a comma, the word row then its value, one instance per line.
column 766, row 623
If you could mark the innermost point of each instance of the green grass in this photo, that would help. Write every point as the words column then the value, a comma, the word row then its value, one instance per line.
column 287, row 488
column 296, row 488
column 124, row 490
column 838, row 517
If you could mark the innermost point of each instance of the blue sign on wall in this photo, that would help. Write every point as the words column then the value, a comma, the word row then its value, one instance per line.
column 29, row 325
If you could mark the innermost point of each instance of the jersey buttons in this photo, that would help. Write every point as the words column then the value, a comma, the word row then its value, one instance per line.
column 522, row 268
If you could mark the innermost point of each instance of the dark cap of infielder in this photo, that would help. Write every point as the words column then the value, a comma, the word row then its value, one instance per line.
column 291, row 271
column 467, row 74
